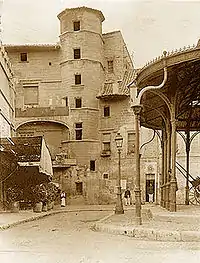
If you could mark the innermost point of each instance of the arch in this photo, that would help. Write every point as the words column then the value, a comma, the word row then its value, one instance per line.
column 54, row 133
column 29, row 121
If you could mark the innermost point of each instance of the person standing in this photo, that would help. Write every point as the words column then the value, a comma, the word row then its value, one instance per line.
column 63, row 198
column 127, row 196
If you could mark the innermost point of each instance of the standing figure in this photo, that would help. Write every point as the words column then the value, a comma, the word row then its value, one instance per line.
column 127, row 196
column 63, row 198
column 151, row 193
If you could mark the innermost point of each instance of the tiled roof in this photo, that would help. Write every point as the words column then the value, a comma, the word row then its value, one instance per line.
column 28, row 45
column 26, row 149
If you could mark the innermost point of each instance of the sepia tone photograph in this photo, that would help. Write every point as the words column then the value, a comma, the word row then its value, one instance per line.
column 99, row 131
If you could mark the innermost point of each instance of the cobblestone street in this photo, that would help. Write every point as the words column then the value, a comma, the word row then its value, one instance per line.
column 68, row 238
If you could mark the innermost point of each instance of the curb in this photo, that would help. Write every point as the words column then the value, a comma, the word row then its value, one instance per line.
column 148, row 234
column 45, row 214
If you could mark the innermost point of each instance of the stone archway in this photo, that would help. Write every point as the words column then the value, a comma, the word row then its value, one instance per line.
column 53, row 132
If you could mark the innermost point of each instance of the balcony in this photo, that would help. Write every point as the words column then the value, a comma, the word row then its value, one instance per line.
column 63, row 161
column 41, row 112
column 105, row 153
column 117, row 89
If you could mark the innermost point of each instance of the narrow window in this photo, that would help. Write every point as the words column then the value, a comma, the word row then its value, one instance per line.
column 77, row 79
column 77, row 53
column 92, row 165
column 110, row 66
column 76, row 25
column 106, row 142
column 23, row 56
column 106, row 111
column 66, row 101
column 78, row 102
column 78, row 131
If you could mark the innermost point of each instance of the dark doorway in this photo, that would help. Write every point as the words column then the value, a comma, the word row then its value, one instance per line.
column 150, row 190
column 79, row 188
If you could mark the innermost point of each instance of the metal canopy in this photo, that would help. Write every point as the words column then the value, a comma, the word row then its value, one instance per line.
column 182, row 89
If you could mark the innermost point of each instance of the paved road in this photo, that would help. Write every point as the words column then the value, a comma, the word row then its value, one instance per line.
column 67, row 238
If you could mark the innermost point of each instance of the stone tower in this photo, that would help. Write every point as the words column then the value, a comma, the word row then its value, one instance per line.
column 82, row 74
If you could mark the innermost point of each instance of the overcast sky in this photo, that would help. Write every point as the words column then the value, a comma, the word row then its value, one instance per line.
column 148, row 27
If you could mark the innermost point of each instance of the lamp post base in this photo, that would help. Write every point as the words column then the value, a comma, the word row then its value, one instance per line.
column 138, row 217
column 119, row 206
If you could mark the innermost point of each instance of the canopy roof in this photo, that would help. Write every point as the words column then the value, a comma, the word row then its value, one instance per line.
column 182, row 89
column 29, row 151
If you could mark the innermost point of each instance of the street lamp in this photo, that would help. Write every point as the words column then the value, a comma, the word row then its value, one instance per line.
column 119, row 206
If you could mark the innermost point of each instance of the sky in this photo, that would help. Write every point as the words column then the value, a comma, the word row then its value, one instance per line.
column 148, row 27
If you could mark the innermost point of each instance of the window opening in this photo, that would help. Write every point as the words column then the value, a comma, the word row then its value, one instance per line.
column 77, row 25
column 77, row 53
column 105, row 176
column 23, row 56
column 78, row 131
column 66, row 101
column 92, row 165
column 78, row 102
column 106, row 111
column 77, row 79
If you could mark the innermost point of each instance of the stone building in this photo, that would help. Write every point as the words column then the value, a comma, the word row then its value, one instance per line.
column 7, row 114
column 75, row 94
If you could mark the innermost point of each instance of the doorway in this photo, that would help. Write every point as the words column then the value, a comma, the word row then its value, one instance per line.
column 79, row 188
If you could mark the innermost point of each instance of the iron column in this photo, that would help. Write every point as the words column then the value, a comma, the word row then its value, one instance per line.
column 137, row 111
column 119, row 206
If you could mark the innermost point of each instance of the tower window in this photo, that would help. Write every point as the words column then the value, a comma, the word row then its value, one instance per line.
column 77, row 79
column 110, row 66
column 78, row 102
column 77, row 53
column 106, row 111
column 92, row 165
column 78, row 131
column 23, row 56
column 76, row 25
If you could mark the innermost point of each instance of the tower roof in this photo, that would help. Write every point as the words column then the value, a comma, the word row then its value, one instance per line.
column 99, row 13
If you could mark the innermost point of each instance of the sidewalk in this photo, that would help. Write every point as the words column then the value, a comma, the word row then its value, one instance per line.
column 157, row 223
column 8, row 219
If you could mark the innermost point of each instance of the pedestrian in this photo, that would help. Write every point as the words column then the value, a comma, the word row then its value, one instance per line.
column 151, row 193
column 127, row 196
column 63, row 198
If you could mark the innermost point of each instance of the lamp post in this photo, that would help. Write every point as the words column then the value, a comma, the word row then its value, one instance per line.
column 119, row 206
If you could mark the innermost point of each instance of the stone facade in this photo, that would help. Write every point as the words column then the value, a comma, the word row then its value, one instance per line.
column 7, row 95
column 7, row 111
column 75, row 94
